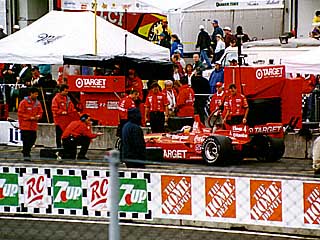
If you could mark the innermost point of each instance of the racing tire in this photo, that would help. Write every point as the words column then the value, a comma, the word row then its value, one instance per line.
column 269, row 149
column 216, row 150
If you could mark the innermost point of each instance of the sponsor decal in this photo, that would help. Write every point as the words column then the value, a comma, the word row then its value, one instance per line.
column 239, row 131
column 265, row 129
column 45, row 38
column 172, row 153
column 270, row 72
column 67, row 192
column 266, row 200
column 35, row 191
column 97, row 193
column 311, row 200
column 176, row 195
column 90, row 82
column 92, row 104
column 220, row 197
column 226, row 4
column 9, row 189
column 112, row 105
column 133, row 195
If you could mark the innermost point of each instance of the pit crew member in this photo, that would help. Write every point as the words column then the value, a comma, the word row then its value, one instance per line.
column 185, row 99
column 217, row 102
column 237, row 107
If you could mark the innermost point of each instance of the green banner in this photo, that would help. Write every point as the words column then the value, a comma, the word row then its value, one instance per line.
column 9, row 189
column 67, row 192
column 133, row 195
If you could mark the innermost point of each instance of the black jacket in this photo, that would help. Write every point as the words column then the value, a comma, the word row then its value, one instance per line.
column 200, row 85
column 133, row 144
column 203, row 40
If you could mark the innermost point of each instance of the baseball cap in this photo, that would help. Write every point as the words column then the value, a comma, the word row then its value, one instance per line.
column 201, row 27
column 177, row 51
column 16, row 27
column 84, row 116
column 219, row 35
column 233, row 60
column 218, row 62
column 215, row 21
column 155, row 84
column 162, row 34
column 227, row 28
column 219, row 84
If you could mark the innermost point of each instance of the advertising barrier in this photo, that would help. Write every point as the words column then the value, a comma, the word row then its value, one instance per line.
column 260, row 201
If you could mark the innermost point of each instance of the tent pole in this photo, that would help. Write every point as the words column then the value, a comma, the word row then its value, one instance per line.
column 95, row 28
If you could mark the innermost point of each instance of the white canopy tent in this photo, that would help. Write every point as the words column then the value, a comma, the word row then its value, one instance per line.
column 304, row 63
column 72, row 33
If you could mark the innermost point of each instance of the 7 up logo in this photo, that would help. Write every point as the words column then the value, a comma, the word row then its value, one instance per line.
column 133, row 195
column 9, row 189
column 67, row 192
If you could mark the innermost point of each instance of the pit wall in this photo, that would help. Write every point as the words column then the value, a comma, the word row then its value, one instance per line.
column 264, row 203
column 296, row 146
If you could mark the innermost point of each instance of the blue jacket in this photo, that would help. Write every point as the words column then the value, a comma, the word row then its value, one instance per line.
column 176, row 45
column 216, row 76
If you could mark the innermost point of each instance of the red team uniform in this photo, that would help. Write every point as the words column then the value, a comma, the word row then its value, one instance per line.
column 185, row 101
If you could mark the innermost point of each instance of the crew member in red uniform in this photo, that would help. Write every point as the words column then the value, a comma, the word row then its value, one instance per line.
column 217, row 103
column 156, row 108
column 185, row 99
column 63, row 112
column 78, row 133
column 133, row 82
column 29, row 112
column 124, row 104
column 236, row 106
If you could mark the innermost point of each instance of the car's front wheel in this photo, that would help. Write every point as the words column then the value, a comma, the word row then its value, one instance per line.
column 216, row 150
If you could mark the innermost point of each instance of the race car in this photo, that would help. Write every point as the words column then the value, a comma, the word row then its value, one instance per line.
column 218, row 146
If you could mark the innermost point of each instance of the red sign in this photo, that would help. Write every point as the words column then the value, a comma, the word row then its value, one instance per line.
column 220, row 197
column 311, row 201
column 176, row 195
column 78, row 83
column 266, row 200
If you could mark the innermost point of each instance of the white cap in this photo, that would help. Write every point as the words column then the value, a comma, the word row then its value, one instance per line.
column 16, row 27
column 227, row 28
column 1, row 26
column 201, row 27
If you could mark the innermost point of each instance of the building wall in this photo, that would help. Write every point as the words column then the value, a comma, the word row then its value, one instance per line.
column 306, row 10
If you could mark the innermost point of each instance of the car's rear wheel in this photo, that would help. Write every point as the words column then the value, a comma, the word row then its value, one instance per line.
column 269, row 149
column 216, row 150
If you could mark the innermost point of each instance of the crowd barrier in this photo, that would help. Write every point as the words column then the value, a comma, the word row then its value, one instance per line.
column 265, row 203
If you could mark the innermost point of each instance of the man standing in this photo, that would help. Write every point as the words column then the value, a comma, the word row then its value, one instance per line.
column 124, row 104
column 134, row 82
column 237, row 107
column 78, row 133
column 201, row 88
column 228, row 36
column 163, row 28
column 29, row 112
column 197, row 64
column 133, row 144
column 217, row 103
column 185, row 99
column 203, row 42
column 216, row 76
column 63, row 112
column 216, row 30
column 156, row 109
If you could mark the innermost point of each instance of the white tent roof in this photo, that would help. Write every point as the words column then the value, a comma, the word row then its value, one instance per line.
column 72, row 33
column 304, row 63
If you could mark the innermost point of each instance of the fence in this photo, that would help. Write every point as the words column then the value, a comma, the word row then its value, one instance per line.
column 43, row 201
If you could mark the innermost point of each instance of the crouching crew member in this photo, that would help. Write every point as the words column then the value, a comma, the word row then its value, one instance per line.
column 78, row 133
column 237, row 107
column 29, row 112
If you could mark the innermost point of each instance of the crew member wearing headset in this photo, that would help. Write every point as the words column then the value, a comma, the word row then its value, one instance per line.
column 78, row 133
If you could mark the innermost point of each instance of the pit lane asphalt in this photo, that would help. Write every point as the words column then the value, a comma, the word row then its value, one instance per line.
column 284, row 167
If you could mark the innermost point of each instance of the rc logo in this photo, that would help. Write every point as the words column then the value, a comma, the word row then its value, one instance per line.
column 97, row 193
column 35, row 191
column 176, row 195
column 133, row 195
column 9, row 189
column 266, row 200
column 67, row 192
column 311, row 200
column 220, row 197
